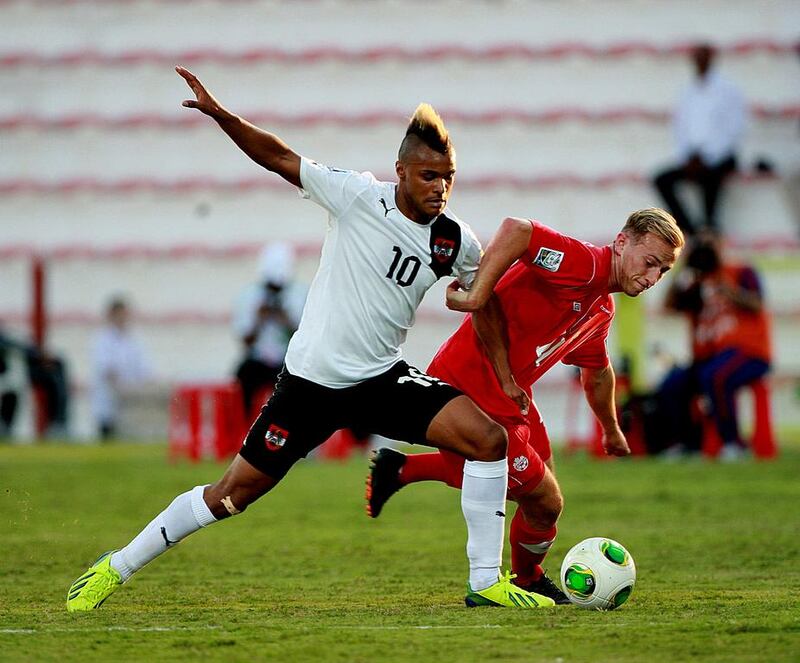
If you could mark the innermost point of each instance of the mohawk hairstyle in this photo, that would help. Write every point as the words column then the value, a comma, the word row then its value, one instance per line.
column 427, row 127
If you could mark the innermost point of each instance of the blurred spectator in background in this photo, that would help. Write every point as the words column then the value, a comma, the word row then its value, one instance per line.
column 708, row 123
column 119, row 365
column 792, row 187
column 730, row 345
column 9, row 396
column 792, row 179
column 267, row 315
column 47, row 375
column 792, row 184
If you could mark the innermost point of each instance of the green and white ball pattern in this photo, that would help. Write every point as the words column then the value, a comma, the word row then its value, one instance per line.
column 598, row 573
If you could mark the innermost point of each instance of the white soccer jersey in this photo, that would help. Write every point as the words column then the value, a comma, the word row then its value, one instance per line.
column 376, row 266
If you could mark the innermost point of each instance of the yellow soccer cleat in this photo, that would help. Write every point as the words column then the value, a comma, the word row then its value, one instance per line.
column 506, row 594
column 98, row 583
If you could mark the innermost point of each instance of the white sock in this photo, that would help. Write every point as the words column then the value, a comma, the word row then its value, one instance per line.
column 187, row 513
column 483, row 501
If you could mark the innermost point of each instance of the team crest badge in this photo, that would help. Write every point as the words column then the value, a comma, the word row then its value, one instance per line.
column 549, row 259
column 520, row 463
column 275, row 437
column 443, row 249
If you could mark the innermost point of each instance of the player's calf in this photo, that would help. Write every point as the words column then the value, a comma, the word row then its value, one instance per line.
column 241, row 485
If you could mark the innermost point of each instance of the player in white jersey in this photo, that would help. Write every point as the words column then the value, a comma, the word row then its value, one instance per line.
column 387, row 244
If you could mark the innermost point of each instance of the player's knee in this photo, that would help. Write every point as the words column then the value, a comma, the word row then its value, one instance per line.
column 542, row 508
column 491, row 445
column 551, row 507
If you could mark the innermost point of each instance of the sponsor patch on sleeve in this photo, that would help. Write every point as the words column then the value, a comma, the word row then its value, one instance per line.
column 548, row 259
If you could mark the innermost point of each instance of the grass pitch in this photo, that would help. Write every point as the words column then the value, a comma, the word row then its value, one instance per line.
column 304, row 575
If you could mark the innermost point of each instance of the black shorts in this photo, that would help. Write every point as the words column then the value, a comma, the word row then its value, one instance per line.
column 301, row 415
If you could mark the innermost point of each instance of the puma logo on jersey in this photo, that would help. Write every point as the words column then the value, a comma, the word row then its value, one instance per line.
column 548, row 259
column 388, row 209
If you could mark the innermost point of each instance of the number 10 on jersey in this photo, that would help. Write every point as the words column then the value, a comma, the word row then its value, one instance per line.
column 403, row 269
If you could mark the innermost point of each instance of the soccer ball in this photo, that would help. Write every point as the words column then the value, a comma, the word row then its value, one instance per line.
column 598, row 574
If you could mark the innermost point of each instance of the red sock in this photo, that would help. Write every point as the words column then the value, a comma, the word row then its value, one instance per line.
column 527, row 563
column 429, row 467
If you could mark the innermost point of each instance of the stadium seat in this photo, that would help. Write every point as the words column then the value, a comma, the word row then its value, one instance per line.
column 762, row 441
column 206, row 419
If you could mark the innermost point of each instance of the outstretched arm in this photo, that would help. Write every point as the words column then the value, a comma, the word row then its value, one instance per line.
column 490, row 325
column 264, row 148
column 598, row 385
column 507, row 246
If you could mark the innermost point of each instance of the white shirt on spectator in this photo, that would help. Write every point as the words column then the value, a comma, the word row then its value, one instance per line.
column 709, row 120
column 118, row 362
column 272, row 337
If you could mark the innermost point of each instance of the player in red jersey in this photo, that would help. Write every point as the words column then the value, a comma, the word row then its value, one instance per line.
column 553, row 303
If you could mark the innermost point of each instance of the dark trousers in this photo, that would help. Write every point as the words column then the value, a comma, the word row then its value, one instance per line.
column 674, row 397
column 720, row 378
column 50, row 375
column 710, row 182
column 8, row 408
column 253, row 375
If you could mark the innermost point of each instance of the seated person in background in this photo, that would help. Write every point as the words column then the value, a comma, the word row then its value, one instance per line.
column 119, row 364
column 9, row 396
column 267, row 315
column 47, row 374
column 708, row 123
column 730, row 343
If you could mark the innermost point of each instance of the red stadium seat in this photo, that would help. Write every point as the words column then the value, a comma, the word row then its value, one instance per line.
column 206, row 419
column 762, row 442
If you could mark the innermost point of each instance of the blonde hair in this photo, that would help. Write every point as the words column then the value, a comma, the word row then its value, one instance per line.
column 655, row 221
column 425, row 126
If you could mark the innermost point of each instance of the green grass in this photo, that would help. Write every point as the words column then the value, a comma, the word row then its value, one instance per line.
column 305, row 576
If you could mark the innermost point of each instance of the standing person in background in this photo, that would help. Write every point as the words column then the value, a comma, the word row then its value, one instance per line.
column 267, row 315
column 791, row 184
column 119, row 363
column 708, row 124
column 386, row 245
column 731, row 345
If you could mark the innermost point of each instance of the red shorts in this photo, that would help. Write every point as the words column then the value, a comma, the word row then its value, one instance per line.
column 528, row 450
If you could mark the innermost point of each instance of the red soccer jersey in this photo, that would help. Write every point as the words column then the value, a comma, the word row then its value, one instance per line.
column 552, row 287
column 721, row 325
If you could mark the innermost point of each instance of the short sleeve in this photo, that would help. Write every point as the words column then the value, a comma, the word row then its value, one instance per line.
column 332, row 188
column 466, row 267
column 560, row 259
